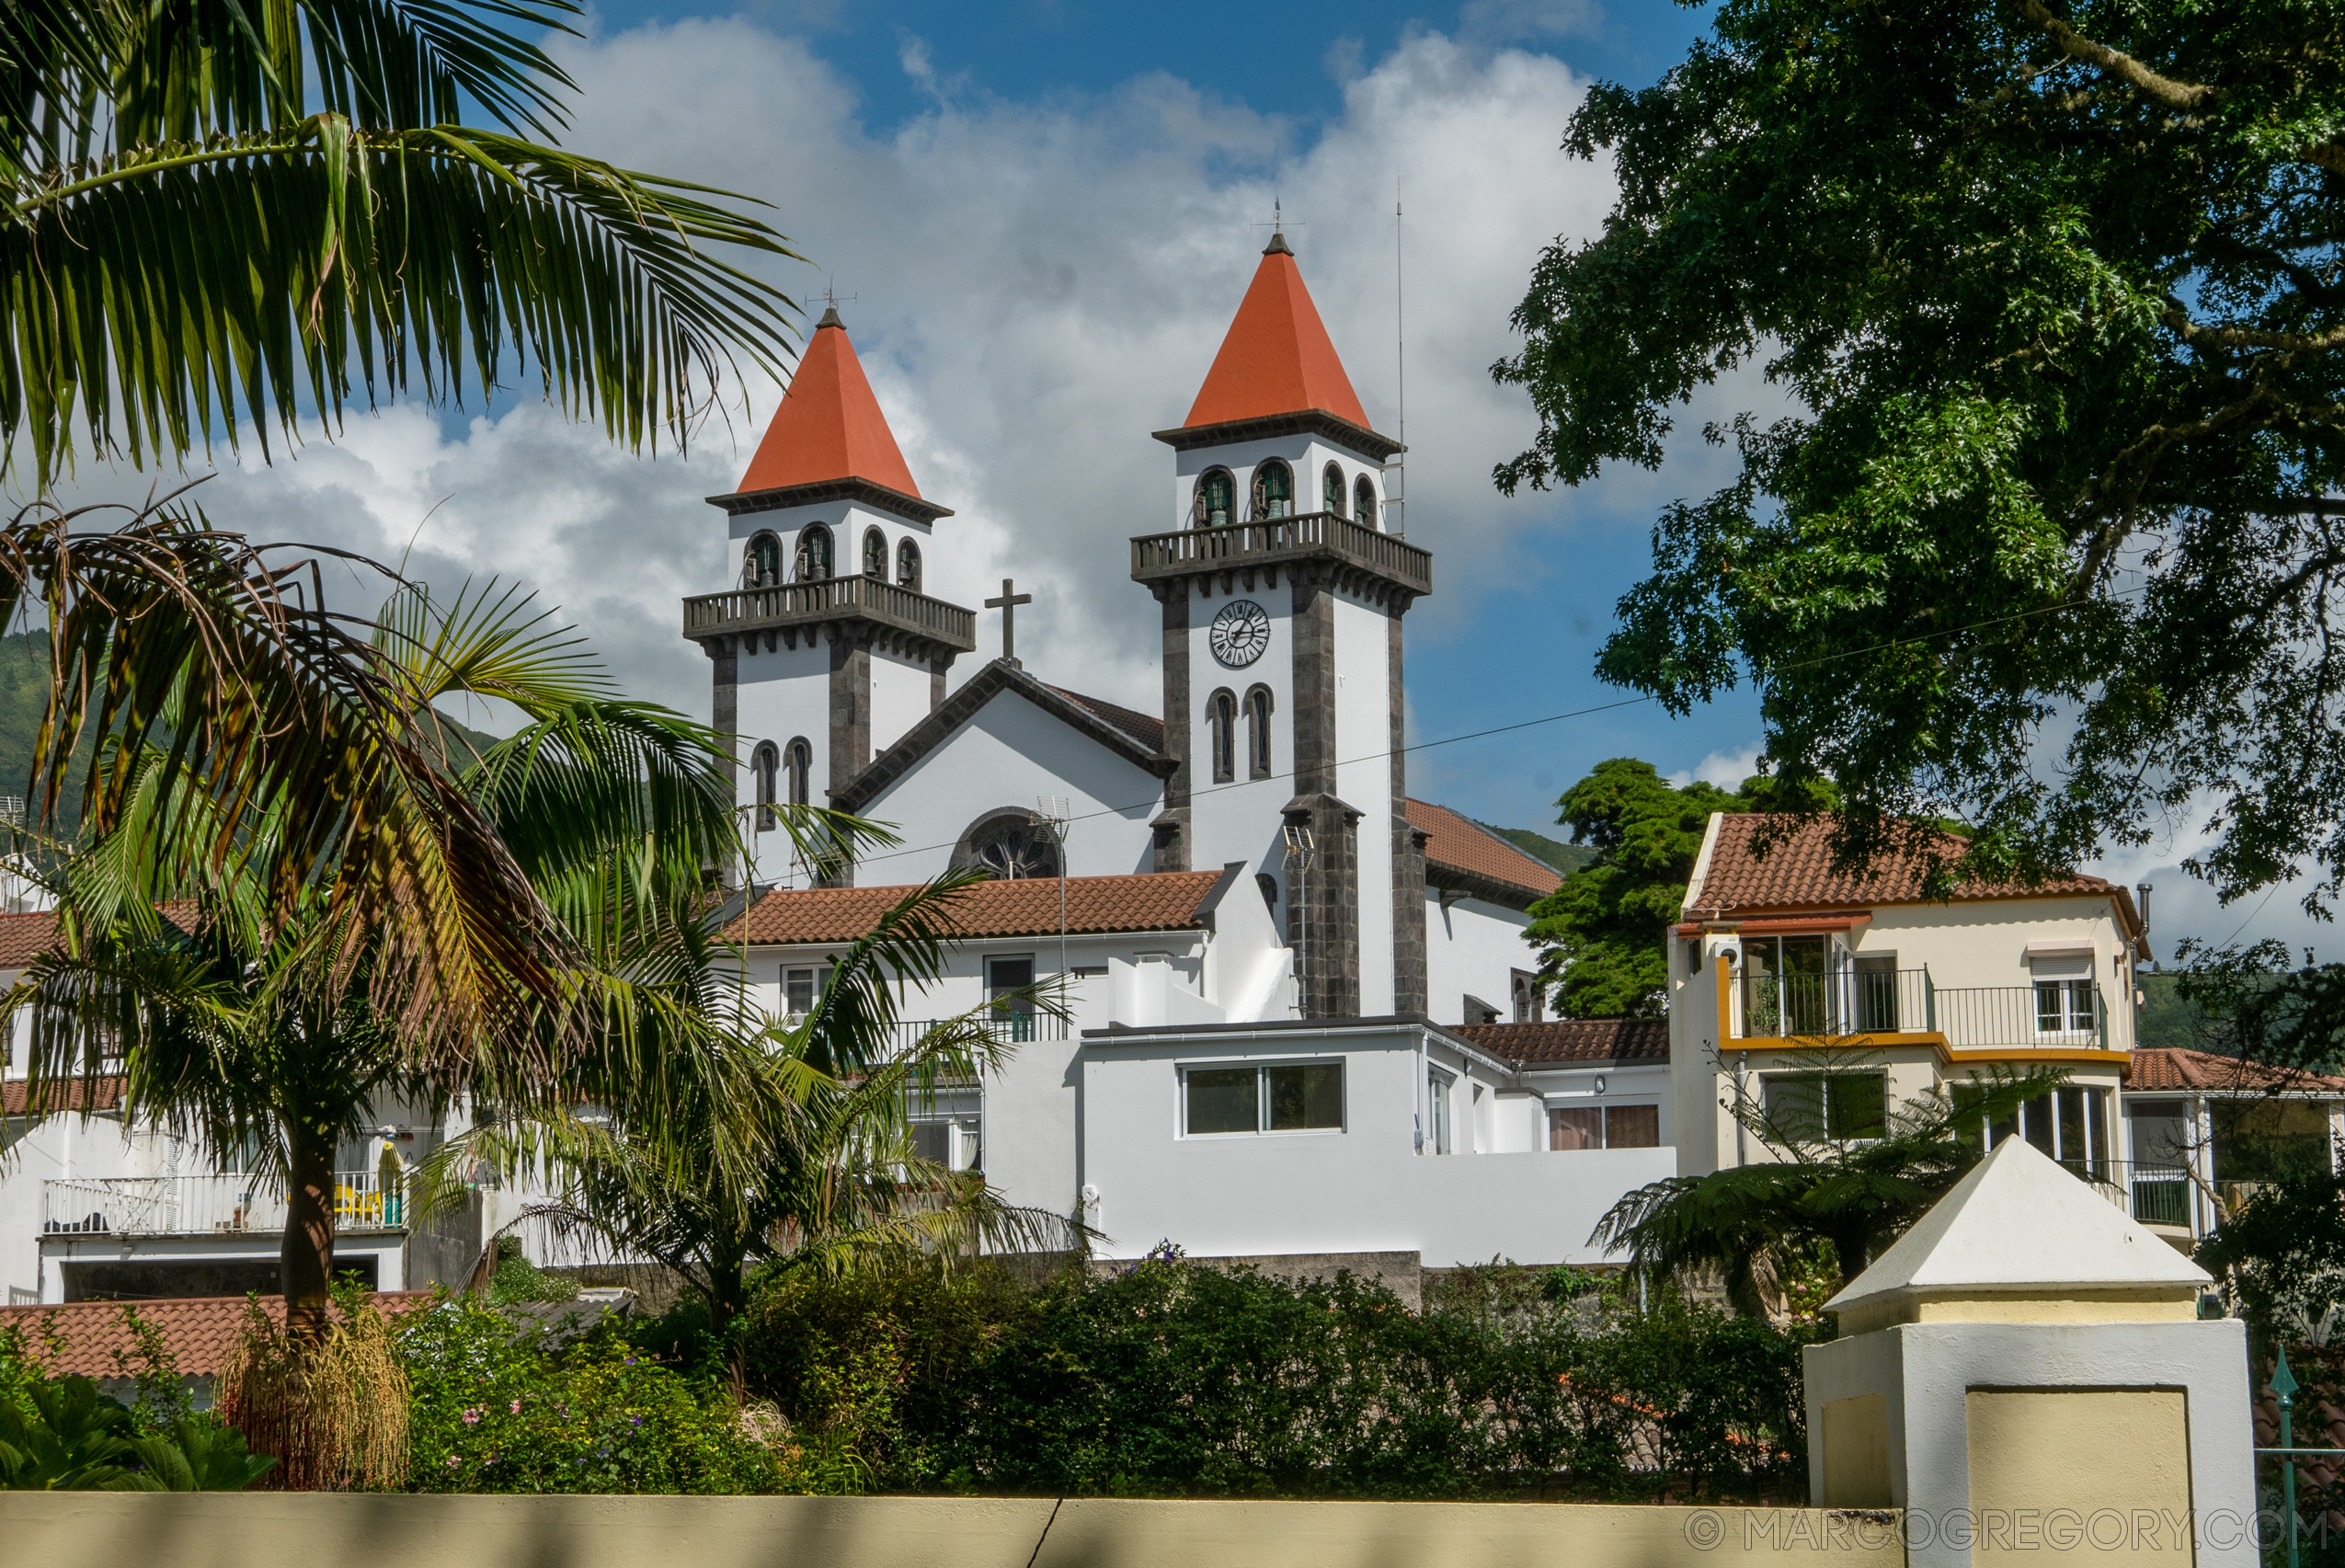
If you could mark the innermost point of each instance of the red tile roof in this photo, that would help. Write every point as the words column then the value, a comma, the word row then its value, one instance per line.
column 199, row 1329
column 1165, row 900
column 829, row 426
column 24, row 938
column 1572, row 1039
column 1798, row 874
column 1149, row 732
column 1451, row 840
column 100, row 1095
column 1277, row 358
column 2169, row 1067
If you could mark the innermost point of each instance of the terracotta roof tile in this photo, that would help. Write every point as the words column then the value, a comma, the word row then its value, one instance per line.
column 101, row 1093
column 1149, row 732
column 24, row 938
column 829, row 426
column 1451, row 840
column 1276, row 358
column 1572, row 1039
column 199, row 1329
column 1798, row 874
column 1165, row 900
column 2169, row 1067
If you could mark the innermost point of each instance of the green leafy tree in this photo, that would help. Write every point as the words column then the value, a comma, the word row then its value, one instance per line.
column 2051, row 291
column 1603, row 935
column 1840, row 1177
column 222, row 213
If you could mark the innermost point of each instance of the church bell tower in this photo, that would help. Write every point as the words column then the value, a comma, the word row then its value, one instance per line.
column 1283, row 594
column 826, row 649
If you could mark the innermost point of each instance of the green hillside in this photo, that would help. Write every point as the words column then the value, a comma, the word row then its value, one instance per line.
column 1565, row 858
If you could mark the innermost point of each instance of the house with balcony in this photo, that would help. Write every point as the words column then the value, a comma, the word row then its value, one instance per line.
column 2204, row 1133
column 97, row 1207
column 1781, row 967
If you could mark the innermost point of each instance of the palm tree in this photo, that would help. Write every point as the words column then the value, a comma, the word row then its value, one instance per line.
column 225, row 213
column 787, row 1141
column 277, row 1022
column 1850, row 1189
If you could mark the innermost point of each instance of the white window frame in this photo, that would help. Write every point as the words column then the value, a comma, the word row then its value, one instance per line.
column 1441, row 1110
column 1262, row 1071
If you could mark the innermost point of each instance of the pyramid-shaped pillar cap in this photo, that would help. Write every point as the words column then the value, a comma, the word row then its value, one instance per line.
column 2018, row 1225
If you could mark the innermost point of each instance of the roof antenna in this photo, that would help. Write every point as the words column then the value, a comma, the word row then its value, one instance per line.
column 831, row 297
column 1396, row 473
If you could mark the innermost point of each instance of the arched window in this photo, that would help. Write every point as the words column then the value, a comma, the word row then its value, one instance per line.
column 1216, row 498
column 814, row 552
column 1008, row 844
column 762, row 566
column 1269, row 886
column 1273, row 490
column 908, row 565
column 1331, row 489
column 875, row 554
column 798, row 764
column 765, row 762
column 1364, row 501
column 1221, row 717
column 1258, row 733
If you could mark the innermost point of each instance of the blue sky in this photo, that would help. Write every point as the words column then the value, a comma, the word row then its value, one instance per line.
column 1044, row 214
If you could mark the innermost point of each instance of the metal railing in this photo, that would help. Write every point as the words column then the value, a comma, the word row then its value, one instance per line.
column 1907, row 1001
column 207, row 1205
column 1270, row 540
column 1010, row 1028
column 830, row 598
column 2151, row 1192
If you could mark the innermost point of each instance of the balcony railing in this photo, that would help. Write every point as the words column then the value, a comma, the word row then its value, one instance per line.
column 2049, row 1014
column 831, row 598
column 1010, row 1028
column 207, row 1205
column 1321, row 534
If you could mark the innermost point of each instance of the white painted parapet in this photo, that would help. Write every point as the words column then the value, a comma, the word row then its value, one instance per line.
column 2024, row 1373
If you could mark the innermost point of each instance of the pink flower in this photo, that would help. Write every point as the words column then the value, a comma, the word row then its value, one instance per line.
column 471, row 1417
column 517, row 1407
column 452, row 1462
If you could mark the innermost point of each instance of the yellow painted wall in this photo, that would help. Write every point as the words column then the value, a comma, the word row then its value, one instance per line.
column 1856, row 1452
column 251, row 1531
column 2073, row 1475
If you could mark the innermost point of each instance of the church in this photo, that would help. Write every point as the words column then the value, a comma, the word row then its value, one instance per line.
column 1302, row 1015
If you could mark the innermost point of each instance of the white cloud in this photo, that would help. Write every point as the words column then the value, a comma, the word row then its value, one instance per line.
column 1727, row 770
column 1036, row 287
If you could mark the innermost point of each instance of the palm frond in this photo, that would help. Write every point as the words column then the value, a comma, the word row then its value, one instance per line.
column 177, row 288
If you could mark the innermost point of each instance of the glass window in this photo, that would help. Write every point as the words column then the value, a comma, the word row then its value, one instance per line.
column 908, row 565
column 1837, row 1106
column 2064, row 1007
column 1331, row 489
column 1221, row 717
column 1216, row 498
column 1437, row 1085
column 765, row 763
column 1633, row 1127
column 1004, row 979
column 1581, row 1126
column 1364, row 501
column 798, row 761
column 1223, row 1099
column 1785, row 989
column 798, row 990
column 1273, row 490
column 1305, row 1098
column 1258, row 732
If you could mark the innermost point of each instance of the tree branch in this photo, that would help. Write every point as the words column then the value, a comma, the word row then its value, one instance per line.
column 2077, row 46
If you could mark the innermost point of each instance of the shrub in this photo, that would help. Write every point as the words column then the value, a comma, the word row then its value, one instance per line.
column 495, row 1409
column 334, row 1412
column 1171, row 1379
column 64, row 1433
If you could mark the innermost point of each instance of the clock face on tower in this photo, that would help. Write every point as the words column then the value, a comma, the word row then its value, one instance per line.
column 1240, row 633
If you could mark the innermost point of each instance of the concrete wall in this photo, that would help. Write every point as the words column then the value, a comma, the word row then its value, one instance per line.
column 1364, row 1188
column 94, row 1529
column 1472, row 946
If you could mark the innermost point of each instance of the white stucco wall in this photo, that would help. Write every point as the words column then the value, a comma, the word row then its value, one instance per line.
column 1363, row 1189
column 1363, row 706
column 1006, row 755
column 1472, row 947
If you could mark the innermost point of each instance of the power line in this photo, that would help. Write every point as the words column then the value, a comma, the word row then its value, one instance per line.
column 1535, row 723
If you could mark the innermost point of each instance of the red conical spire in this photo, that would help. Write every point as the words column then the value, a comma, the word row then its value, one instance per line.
column 830, row 426
column 1277, row 358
